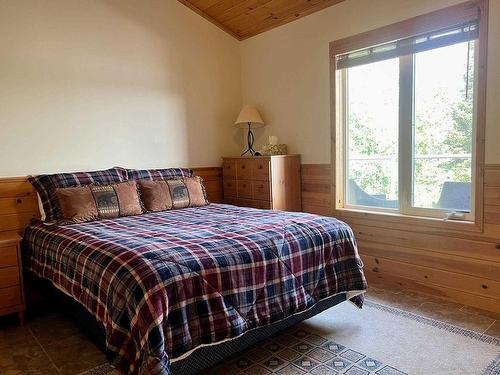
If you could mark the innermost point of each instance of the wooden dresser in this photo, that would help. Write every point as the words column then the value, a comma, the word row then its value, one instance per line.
column 11, row 277
column 268, row 182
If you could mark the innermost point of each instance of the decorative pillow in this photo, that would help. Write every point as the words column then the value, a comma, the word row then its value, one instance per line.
column 77, row 204
column 155, row 195
column 47, row 184
column 158, row 174
column 92, row 202
column 164, row 195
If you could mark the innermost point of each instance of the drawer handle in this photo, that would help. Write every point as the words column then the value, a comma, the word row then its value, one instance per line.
column 260, row 166
column 19, row 201
column 242, row 167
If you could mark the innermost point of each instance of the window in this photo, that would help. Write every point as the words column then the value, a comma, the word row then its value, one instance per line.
column 406, row 119
column 372, row 128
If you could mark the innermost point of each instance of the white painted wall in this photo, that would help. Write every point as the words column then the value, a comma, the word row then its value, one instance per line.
column 286, row 71
column 92, row 84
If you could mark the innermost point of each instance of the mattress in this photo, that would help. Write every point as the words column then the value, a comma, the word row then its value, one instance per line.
column 163, row 284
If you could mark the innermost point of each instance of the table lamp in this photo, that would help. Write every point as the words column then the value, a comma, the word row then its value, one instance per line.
column 249, row 116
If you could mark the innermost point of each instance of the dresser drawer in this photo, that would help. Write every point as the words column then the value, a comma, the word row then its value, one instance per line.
column 260, row 169
column 231, row 200
column 244, row 169
column 9, row 276
column 261, row 190
column 244, row 202
column 10, row 296
column 263, row 205
column 265, row 182
column 230, row 188
column 245, row 189
column 229, row 169
column 8, row 256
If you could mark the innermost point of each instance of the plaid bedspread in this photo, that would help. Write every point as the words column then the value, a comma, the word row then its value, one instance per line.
column 164, row 283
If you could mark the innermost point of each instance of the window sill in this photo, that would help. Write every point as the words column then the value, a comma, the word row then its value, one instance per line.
column 396, row 217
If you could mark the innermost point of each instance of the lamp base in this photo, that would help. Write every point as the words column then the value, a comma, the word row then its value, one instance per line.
column 252, row 152
column 250, row 140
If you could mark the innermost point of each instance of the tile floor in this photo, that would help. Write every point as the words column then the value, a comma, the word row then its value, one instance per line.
column 50, row 343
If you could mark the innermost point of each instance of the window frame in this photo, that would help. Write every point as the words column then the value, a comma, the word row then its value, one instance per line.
column 418, row 25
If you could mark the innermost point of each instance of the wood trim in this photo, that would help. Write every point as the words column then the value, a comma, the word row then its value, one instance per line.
column 441, row 18
column 453, row 15
column 425, row 231
column 449, row 225
column 335, row 137
column 481, row 113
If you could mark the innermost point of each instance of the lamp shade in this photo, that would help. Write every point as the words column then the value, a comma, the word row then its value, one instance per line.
column 249, row 114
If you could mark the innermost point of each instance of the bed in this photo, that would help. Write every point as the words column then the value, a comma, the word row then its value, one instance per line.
column 166, row 284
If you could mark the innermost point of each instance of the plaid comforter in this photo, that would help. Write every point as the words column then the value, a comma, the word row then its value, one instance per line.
column 164, row 283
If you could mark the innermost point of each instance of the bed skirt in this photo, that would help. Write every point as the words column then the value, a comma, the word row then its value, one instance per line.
column 200, row 358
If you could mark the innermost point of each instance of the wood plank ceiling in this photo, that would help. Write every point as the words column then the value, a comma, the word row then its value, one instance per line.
column 246, row 18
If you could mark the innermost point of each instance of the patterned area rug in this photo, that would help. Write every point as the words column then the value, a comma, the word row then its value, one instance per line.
column 378, row 339
column 300, row 352
column 295, row 352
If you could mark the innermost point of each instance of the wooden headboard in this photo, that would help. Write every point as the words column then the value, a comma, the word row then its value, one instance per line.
column 19, row 202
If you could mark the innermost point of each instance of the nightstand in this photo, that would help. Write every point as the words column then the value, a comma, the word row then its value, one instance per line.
column 11, row 276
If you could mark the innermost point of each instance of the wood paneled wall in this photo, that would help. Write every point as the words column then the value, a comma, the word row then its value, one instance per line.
column 19, row 204
column 464, row 267
column 316, row 189
column 212, row 179
column 459, row 266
